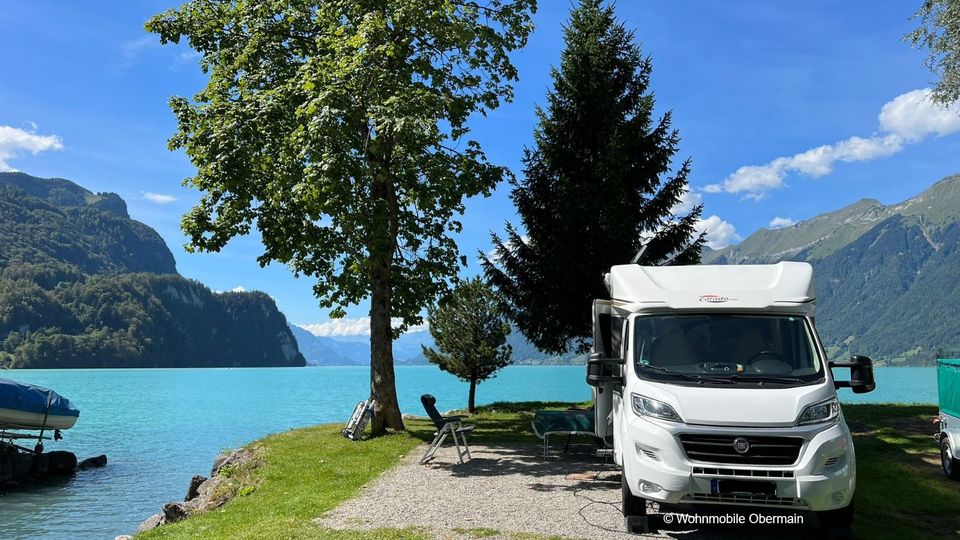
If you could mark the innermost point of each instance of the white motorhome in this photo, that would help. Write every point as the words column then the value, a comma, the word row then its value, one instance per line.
column 716, row 390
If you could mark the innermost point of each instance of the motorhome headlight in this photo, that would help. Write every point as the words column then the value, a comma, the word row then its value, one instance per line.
column 825, row 411
column 644, row 406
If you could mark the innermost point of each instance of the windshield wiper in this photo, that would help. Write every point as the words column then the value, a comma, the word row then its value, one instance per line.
column 763, row 378
column 688, row 376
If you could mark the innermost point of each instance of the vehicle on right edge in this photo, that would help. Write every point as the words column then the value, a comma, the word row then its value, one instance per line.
column 948, row 422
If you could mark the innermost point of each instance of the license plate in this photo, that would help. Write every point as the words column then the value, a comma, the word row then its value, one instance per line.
column 743, row 487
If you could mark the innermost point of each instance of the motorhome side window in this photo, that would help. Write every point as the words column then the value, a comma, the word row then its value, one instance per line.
column 726, row 349
column 616, row 337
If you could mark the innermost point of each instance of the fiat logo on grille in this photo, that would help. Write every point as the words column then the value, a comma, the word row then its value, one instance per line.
column 741, row 445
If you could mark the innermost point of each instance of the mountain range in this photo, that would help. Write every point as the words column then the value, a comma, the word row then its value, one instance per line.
column 84, row 285
column 355, row 350
column 887, row 276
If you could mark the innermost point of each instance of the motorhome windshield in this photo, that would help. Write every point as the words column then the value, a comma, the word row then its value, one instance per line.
column 726, row 349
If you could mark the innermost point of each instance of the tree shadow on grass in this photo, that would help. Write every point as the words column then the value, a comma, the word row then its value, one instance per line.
column 901, row 491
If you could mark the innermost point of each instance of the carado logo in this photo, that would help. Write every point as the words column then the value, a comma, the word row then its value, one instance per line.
column 715, row 298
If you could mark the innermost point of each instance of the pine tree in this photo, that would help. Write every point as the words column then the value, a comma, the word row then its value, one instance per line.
column 471, row 335
column 597, row 185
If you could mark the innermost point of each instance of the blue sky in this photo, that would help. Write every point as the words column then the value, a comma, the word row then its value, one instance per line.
column 780, row 105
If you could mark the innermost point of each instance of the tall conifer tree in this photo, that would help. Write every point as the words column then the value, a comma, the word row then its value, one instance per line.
column 598, row 184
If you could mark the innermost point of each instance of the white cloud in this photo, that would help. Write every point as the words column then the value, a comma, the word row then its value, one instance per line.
column 781, row 222
column 238, row 288
column 158, row 198
column 908, row 118
column 688, row 200
column 913, row 116
column 350, row 327
column 15, row 141
column 720, row 233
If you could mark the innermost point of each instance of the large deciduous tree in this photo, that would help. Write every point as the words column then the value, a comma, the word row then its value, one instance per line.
column 337, row 128
column 597, row 184
column 939, row 32
column 470, row 335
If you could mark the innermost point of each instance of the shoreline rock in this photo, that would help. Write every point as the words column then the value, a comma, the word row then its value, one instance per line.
column 19, row 467
column 93, row 463
column 230, row 477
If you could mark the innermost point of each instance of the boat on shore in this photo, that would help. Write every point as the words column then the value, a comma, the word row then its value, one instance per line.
column 25, row 406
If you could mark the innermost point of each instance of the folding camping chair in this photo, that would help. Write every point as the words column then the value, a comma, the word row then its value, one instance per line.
column 446, row 425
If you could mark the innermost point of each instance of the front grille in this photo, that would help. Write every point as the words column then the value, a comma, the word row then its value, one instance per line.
column 753, row 473
column 753, row 500
column 763, row 450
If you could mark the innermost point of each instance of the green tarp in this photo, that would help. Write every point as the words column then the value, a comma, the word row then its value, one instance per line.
column 948, row 385
column 563, row 422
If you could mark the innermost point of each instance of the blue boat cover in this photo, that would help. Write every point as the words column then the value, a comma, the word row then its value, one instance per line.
column 34, row 399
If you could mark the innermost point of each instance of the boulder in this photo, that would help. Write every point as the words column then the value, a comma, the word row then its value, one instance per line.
column 93, row 462
column 194, row 489
column 174, row 512
column 18, row 467
column 60, row 462
column 236, row 457
column 151, row 523
column 39, row 464
column 209, row 497
column 219, row 462
column 204, row 494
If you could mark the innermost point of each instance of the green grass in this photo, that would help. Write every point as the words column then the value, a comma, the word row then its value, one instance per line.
column 901, row 492
column 477, row 532
column 305, row 473
column 483, row 532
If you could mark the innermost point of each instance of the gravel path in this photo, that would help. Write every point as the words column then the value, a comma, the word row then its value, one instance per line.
column 506, row 488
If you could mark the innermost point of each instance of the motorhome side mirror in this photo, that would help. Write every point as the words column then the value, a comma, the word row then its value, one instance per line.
column 601, row 371
column 861, row 374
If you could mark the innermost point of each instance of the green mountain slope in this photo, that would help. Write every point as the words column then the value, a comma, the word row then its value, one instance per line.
column 888, row 277
column 83, row 285
column 57, row 221
column 816, row 237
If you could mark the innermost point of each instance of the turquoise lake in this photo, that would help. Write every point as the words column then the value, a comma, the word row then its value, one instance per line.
column 160, row 427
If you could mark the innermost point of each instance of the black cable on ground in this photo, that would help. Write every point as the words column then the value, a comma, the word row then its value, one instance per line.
column 590, row 502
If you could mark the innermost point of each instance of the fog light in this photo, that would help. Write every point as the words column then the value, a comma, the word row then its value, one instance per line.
column 838, row 496
column 649, row 487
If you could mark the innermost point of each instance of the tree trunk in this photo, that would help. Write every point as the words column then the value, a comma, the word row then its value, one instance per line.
column 471, row 401
column 383, row 388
